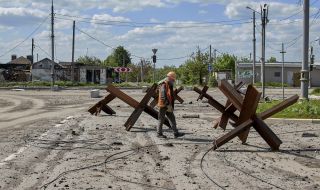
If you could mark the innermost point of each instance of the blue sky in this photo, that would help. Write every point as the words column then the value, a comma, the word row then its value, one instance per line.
column 175, row 27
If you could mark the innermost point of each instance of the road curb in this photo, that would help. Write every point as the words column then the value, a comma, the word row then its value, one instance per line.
column 295, row 119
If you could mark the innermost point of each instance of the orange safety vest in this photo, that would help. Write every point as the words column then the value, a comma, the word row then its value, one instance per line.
column 169, row 97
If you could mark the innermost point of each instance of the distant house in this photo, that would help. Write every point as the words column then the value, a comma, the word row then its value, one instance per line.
column 273, row 73
column 20, row 61
column 41, row 70
column 18, row 69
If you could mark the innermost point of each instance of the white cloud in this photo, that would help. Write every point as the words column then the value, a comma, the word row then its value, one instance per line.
column 17, row 16
column 202, row 12
column 174, row 38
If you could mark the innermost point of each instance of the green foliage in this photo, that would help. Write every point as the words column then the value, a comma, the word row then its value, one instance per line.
column 272, row 60
column 303, row 109
column 44, row 84
column 194, row 69
column 226, row 62
column 162, row 72
column 119, row 57
column 272, row 84
column 316, row 92
column 89, row 60
column 244, row 60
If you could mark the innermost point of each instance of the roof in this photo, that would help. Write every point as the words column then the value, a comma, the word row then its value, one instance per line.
column 21, row 60
column 48, row 62
column 286, row 64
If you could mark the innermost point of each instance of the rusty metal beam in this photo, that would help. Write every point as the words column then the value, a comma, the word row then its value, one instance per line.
column 231, row 93
column 103, row 105
column 279, row 107
column 248, row 117
column 133, row 103
column 137, row 112
column 215, row 103
column 249, row 107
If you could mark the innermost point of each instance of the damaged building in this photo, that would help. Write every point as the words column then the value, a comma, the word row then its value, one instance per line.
column 41, row 71
column 17, row 70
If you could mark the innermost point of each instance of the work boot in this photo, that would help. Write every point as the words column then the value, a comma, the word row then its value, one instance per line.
column 161, row 136
column 176, row 135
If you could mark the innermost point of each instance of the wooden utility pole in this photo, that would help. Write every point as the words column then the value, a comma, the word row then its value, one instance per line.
column 73, row 41
column 254, row 49
column 52, row 46
column 32, row 51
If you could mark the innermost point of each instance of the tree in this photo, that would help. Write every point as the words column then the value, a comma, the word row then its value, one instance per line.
column 195, row 68
column 120, row 57
column 244, row 60
column 226, row 62
column 162, row 72
column 272, row 60
column 89, row 60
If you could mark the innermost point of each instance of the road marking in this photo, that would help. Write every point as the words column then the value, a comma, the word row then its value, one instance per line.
column 13, row 156
column 22, row 149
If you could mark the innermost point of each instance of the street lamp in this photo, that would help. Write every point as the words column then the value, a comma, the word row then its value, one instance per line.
column 154, row 60
column 254, row 44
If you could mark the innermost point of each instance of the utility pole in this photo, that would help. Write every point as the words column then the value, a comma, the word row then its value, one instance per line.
column 32, row 51
column 304, row 68
column 141, row 70
column 282, row 70
column 73, row 41
column 210, row 65
column 311, row 65
column 52, row 46
column 215, row 55
column 254, row 45
column 264, row 20
column 32, row 56
column 254, row 49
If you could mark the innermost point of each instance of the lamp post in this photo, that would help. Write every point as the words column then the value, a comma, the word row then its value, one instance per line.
column 254, row 44
column 154, row 60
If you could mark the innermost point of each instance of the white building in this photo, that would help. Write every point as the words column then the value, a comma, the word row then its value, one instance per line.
column 273, row 73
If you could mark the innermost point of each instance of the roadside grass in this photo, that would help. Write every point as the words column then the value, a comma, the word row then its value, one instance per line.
column 300, row 110
column 67, row 84
column 271, row 84
column 316, row 92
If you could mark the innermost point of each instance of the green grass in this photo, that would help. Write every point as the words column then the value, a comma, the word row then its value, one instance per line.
column 67, row 84
column 44, row 84
column 316, row 92
column 301, row 110
column 271, row 84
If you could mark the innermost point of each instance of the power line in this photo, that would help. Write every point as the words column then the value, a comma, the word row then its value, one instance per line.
column 186, row 24
column 109, row 46
column 31, row 34
column 45, row 52
column 150, row 23
column 297, row 13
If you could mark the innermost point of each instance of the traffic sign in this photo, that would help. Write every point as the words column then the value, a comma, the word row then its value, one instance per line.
column 122, row 70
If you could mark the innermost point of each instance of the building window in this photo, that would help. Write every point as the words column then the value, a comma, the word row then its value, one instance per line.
column 277, row 74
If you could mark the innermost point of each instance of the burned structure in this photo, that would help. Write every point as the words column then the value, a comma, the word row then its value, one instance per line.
column 17, row 70
column 97, row 74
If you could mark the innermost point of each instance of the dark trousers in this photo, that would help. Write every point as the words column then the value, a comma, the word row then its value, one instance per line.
column 171, row 117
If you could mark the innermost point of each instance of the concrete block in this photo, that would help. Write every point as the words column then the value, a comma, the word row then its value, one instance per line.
column 95, row 93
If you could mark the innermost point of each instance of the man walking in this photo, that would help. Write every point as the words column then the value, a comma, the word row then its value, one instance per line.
column 166, row 105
